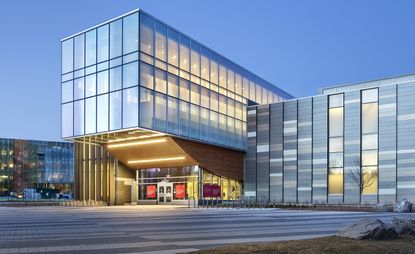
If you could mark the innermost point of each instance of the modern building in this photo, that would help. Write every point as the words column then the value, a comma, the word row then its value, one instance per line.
column 156, row 116
column 350, row 144
column 35, row 169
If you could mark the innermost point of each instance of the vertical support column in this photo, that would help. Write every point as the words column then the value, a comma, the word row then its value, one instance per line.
column 250, row 159
column 262, row 150
column 290, row 151
column 305, row 108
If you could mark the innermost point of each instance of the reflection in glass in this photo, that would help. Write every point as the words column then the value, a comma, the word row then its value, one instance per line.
column 336, row 144
column 79, row 88
column 146, row 108
column 102, row 113
column 369, row 118
column 194, row 121
column 115, row 35
column 79, row 118
column 146, row 75
column 184, row 118
column 160, row 79
column 67, row 56
column 369, row 141
column 195, row 58
column 130, row 107
column 103, row 37
column 79, row 51
column 184, row 89
column 204, row 123
column 369, row 157
column 67, row 120
column 67, row 91
column 194, row 94
column 173, row 47
column 130, row 74
column 102, row 82
column 160, row 112
column 173, row 115
column 370, row 95
column 204, row 63
column 146, row 34
column 336, row 181
column 115, row 78
column 370, row 177
column 115, row 110
column 184, row 53
column 90, row 85
column 91, row 49
column 336, row 121
column 161, row 51
column 173, row 87
column 335, row 160
column 336, row 100
column 130, row 33
column 90, row 115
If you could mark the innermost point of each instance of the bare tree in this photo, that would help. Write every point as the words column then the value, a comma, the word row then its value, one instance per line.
column 363, row 179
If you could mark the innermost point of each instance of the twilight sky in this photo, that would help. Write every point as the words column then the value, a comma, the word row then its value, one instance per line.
column 299, row 46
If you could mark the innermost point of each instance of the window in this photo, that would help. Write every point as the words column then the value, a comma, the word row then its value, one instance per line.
column 184, row 53
column 130, row 74
column 231, row 77
column 173, row 115
column 214, row 72
column 173, row 47
column 115, row 35
column 173, row 87
column 90, row 117
column 79, row 88
column 102, row 113
column 214, row 99
column 91, row 49
column 160, row 112
column 370, row 178
column 336, row 121
column 115, row 78
column 204, row 63
column 336, row 144
column 184, row 89
column 115, row 110
column 184, row 118
column 79, row 51
column 222, row 73
column 67, row 91
column 204, row 123
column 336, row 160
column 336, row 100
column 194, row 121
column 161, row 51
column 238, row 85
column 146, row 108
column 130, row 107
column 146, row 75
column 213, row 133
column 231, row 107
column 103, row 37
column 67, row 120
column 146, row 34
column 130, row 33
column 79, row 118
column 160, row 81
column 204, row 97
column 194, row 94
column 67, row 56
column 336, row 181
column 195, row 58
column 369, row 118
column 369, row 157
column 222, row 104
column 370, row 95
column 369, row 141
column 90, row 85
column 102, row 82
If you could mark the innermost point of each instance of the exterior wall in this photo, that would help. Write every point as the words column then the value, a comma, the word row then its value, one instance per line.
column 297, row 134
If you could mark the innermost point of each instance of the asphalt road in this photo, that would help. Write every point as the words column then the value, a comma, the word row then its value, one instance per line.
column 158, row 229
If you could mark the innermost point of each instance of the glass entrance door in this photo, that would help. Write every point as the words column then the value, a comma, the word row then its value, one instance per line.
column 164, row 193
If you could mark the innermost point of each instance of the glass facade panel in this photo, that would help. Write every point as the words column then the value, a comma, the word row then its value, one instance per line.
column 369, row 141
column 336, row 145
column 115, row 110
column 160, row 112
column 130, row 74
column 370, row 180
column 115, row 78
column 146, row 34
column 160, row 79
column 102, row 113
column 67, row 91
column 204, row 123
column 184, row 90
column 184, row 53
column 161, row 49
column 336, row 181
column 67, row 120
column 115, row 35
column 369, row 157
column 103, row 46
column 130, row 107
column 336, row 160
column 204, row 102
column 173, row 47
column 146, row 75
column 370, row 95
column 204, row 63
column 90, row 115
column 67, row 56
column 195, row 58
column 370, row 118
column 91, row 47
column 194, row 121
column 79, row 118
column 146, row 108
column 194, row 94
column 102, row 82
column 184, row 118
column 90, row 85
column 336, row 100
column 130, row 33
column 79, row 88
column 173, row 86
column 214, row 101
column 214, row 71
column 173, row 115
column 79, row 51
column 336, row 121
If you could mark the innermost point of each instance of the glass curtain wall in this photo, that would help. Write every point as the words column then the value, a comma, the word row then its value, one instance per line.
column 336, row 127
column 369, row 161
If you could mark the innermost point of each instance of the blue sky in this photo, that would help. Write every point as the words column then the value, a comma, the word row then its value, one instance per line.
column 299, row 46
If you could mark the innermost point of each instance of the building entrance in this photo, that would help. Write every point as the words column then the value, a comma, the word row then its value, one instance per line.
column 164, row 193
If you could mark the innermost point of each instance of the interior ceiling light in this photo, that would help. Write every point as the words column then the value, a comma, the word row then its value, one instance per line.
column 136, row 143
column 157, row 160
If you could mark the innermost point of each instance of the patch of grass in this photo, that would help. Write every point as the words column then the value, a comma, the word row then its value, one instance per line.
column 332, row 245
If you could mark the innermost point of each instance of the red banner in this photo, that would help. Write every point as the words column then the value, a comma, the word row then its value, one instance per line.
column 151, row 191
column 211, row 191
column 180, row 191
column 216, row 191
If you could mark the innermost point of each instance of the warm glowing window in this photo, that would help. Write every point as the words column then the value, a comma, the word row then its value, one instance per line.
column 173, row 87
column 160, row 78
column 161, row 51
column 195, row 58
column 146, row 34
column 184, row 53
column 173, row 47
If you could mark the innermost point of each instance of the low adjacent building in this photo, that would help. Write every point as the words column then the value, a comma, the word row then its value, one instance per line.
column 34, row 170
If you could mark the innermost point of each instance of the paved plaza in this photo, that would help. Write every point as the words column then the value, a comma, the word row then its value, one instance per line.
column 151, row 229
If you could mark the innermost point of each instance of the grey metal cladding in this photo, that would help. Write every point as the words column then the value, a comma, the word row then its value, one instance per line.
column 290, row 151
column 304, row 150
column 276, row 152
column 351, row 145
column 406, row 141
column 250, row 158
column 320, row 147
column 262, row 153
